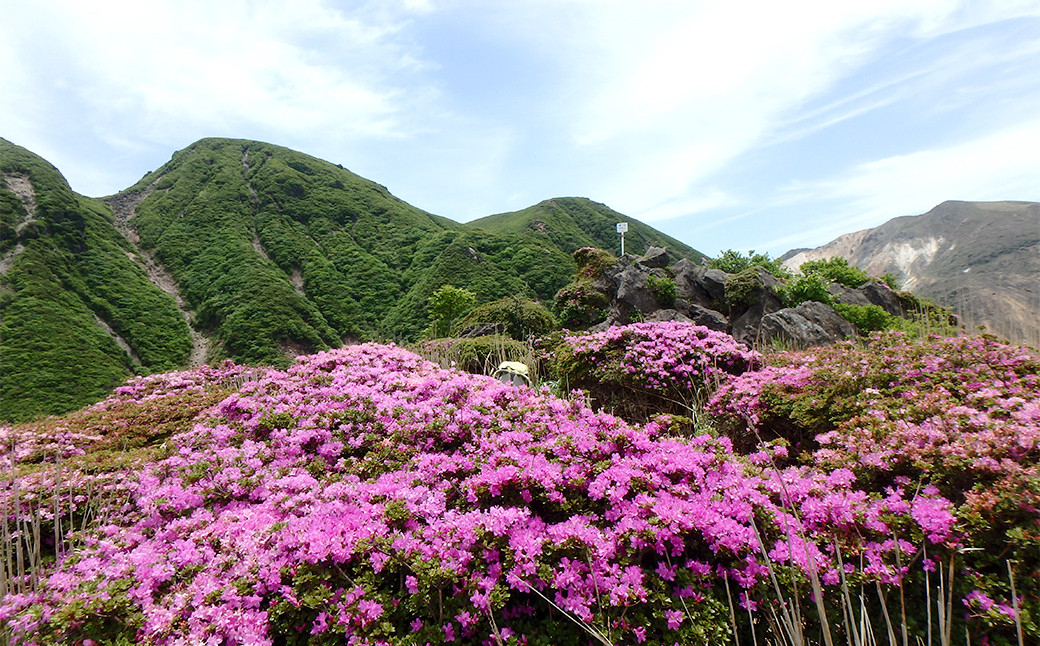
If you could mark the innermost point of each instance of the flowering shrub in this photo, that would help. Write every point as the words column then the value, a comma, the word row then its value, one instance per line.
column 366, row 496
column 579, row 305
column 958, row 415
column 592, row 262
column 644, row 369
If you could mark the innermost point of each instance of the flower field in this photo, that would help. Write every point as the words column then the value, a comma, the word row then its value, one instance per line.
column 368, row 496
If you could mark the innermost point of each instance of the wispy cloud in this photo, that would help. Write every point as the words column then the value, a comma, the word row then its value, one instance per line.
column 999, row 166
column 685, row 113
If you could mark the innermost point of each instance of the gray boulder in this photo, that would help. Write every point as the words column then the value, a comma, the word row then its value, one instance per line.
column 633, row 292
column 698, row 284
column 669, row 315
column 760, row 299
column 809, row 324
column 709, row 318
column 656, row 257
column 870, row 293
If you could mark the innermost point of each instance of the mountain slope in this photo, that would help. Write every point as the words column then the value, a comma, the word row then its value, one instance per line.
column 78, row 314
column 278, row 252
column 244, row 250
column 574, row 222
column 982, row 259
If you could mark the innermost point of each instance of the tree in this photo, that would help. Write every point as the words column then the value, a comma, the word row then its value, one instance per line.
column 447, row 305
column 734, row 262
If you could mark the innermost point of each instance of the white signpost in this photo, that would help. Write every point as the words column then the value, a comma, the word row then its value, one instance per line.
column 622, row 227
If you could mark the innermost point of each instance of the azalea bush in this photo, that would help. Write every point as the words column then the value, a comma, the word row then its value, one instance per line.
column 367, row 496
column 645, row 369
column 580, row 305
column 957, row 416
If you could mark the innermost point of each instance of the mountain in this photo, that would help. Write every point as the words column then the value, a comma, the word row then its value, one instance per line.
column 573, row 222
column 982, row 259
column 241, row 250
column 78, row 313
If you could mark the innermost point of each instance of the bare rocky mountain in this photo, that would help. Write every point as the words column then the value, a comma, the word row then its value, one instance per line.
column 981, row 259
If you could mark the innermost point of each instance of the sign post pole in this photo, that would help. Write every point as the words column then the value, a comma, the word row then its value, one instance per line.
column 622, row 227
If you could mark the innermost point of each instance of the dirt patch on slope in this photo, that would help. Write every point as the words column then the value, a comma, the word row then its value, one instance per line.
column 124, row 208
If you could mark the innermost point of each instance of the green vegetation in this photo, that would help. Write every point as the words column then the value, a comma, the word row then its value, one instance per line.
column 447, row 305
column 569, row 223
column 519, row 318
column 866, row 318
column 809, row 287
column 479, row 355
column 925, row 317
column 663, row 289
column 837, row 270
column 75, row 270
column 311, row 254
column 579, row 305
column 734, row 262
column 592, row 262
column 743, row 289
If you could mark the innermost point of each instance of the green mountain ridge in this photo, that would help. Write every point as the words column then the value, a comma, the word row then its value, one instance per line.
column 574, row 222
column 266, row 252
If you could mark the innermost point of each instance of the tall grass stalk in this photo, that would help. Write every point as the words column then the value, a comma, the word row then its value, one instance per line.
column 1014, row 605
column 597, row 635
column 732, row 613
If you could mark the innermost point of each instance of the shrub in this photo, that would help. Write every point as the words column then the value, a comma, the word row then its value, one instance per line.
column 663, row 289
column 479, row 355
column 891, row 280
column 447, row 305
column 837, row 270
column 866, row 318
column 592, row 262
column 734, row 262
column 520, row 318
column 959, row 417
column 580, row 305
column 366, row 496
column 642, row 369
column 925, row 317
column 743, row 289
column 809, row 287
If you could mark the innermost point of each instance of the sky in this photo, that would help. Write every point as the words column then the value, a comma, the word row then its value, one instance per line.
column 739, row 125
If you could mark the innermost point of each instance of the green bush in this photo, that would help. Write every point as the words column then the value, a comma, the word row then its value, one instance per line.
column 592, row 262
column 866, row 318
column 447, row 305
column 837, row 270
column 479, row 355
column 891, row 280
column 734, row 262
column 580, row 305
column 663, row 289
column 810, row 287
column 520, row 318
column 742, row 290
column 924, row 317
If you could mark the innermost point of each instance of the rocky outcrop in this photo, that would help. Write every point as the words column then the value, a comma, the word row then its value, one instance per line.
column 809, row 324
column 871, row 293
column 981, row 259
column 750, row 305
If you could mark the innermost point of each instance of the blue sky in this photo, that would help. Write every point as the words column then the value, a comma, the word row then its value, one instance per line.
column 746, row 125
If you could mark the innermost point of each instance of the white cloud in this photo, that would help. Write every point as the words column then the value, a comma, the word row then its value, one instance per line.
column 181, row 66
column 1003, row 165
column 683, row 96
column 645, row 106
